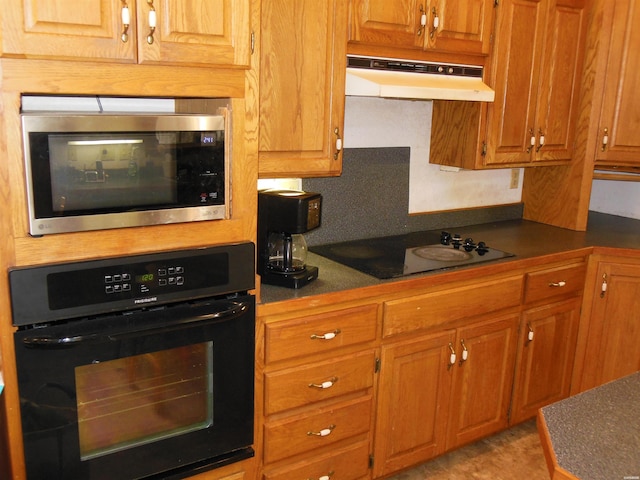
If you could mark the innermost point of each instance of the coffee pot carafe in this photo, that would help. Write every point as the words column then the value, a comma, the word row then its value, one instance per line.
column 283, row 216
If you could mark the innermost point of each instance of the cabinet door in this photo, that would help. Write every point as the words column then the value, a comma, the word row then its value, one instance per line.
column 302, row 79
column 560, row 77
column 614, row 325
column 69, row 30
column 619, row 120
column 483, row 379
column 391, row 23
column 517, row 56
column 546, row 351
column 212, row 32
column 463, row 27
column 413, row 395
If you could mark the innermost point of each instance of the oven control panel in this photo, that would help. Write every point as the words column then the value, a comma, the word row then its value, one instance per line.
column 62, row 291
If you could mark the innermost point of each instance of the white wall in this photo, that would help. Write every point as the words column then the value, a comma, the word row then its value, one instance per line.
column 376, row 122
column 616, row 198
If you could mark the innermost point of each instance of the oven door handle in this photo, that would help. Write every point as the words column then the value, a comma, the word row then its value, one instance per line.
column 231, row 310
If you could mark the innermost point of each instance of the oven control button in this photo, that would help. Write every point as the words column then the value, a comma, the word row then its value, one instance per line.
column 126, row 287
column 180, row 280
column 108, row 289
column 126, row 277
column 172, row 271
column 162, row 272
column 179, row 270
column 162, row 282
column 172, row 280
column 108, row 279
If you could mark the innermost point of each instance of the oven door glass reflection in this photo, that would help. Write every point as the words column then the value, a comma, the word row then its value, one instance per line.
column 139, row 399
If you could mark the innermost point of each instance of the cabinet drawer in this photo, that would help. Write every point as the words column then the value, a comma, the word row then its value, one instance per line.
column 565, row 280
column 317, row 429
column 323, row 332
column 295, row 387
column 350, row 463
column 437, row 308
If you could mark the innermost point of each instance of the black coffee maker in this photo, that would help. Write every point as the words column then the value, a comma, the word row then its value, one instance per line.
column 283, row 216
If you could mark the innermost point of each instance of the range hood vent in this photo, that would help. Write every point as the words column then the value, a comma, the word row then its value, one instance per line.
column 394, row 78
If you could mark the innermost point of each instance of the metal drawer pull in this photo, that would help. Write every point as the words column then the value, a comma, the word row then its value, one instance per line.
column 561, row 283
column 465, row 352
column 452, row 356
column 126, row 21
column 326, row 336
column 152, row 22
column 530, row 333
column 322, row 433
column 324, row 477
column 327, row 384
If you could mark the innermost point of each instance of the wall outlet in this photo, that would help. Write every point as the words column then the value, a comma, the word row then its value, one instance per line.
column 515, row 178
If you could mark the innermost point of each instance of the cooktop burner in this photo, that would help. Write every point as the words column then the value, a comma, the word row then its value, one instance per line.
column 400, row 255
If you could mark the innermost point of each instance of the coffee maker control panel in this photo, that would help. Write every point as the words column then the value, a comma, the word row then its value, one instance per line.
column 313, row 214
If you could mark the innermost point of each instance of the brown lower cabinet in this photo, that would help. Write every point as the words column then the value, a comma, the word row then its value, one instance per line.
column 362, row 389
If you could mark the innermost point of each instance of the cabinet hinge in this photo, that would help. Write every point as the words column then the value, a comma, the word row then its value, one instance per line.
column 484, row 149
column 496, row 3
column 377, row 365
column 371, row 461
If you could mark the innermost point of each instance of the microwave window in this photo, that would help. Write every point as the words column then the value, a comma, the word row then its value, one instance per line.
column 114, row 172
column 140, row 399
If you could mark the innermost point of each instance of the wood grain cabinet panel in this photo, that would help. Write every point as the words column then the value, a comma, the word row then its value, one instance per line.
column 565, row 280
column 308, row 384
column 618, row 139
column 445, row 26
column 193, row 32
column 546, row 353
column 436, row 309
column 316, row 430
column 613, row 334
column 320, row 333
column 537, row 68
column 302, row 87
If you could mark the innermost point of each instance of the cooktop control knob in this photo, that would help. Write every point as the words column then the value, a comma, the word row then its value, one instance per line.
column 482, row 248
column 468, row 244
column 445, row 238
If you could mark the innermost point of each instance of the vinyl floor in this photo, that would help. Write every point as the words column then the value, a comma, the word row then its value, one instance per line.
column 510, row 455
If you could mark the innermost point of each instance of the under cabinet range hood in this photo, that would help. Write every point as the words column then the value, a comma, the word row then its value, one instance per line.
column 395, row 78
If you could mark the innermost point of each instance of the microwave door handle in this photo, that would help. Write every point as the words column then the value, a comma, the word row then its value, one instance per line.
column 233, row 310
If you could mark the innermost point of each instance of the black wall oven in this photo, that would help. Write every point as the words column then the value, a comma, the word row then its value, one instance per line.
column 136, row 367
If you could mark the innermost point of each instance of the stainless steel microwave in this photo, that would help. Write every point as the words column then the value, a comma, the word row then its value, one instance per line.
column 102, row 171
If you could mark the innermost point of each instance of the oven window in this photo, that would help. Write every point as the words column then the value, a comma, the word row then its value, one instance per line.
column 139, row 399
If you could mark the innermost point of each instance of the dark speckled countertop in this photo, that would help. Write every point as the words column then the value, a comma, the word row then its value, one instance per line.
column 524, row 238
column 595, row 435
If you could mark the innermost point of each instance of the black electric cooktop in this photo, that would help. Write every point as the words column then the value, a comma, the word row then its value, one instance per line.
column 416, row 252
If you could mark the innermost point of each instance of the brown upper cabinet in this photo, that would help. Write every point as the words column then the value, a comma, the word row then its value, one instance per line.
column 195, row 32
column 619, row 123
column 536, row 71
column 453, row 26
column 302, row 87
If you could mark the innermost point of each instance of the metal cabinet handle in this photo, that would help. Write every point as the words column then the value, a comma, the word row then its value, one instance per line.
column 322, row 433
column 436, row 22
column 423, row 20
column 328, row 384
column 152, row 22
column 326, row 336
column 532, row 140
column 561, row 283
column 530, row 334
column 465, row 352
column 603, row 289
column 452, row 356
column 324, row 477
column 126, row 21
column 338, row 143
column 540, row 140
column 605, row 139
